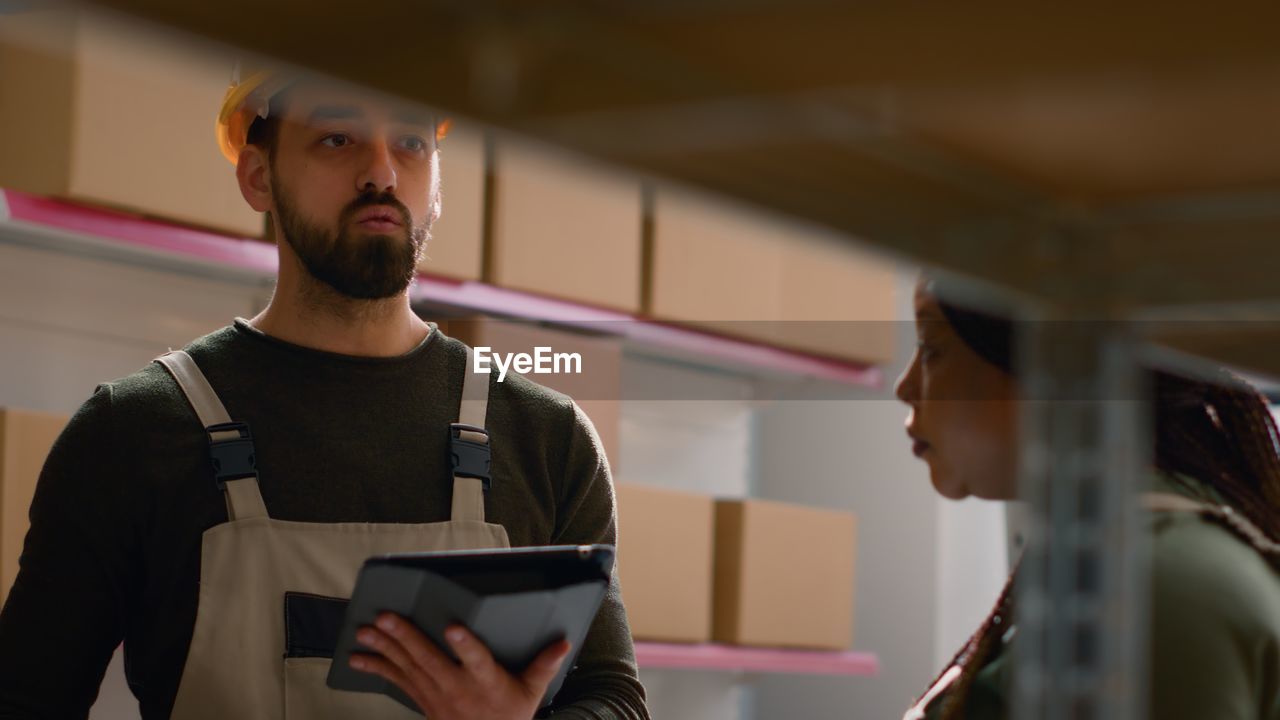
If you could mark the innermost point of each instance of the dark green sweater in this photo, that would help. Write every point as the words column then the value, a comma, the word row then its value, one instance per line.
column 114, row 548
column 1215, row 626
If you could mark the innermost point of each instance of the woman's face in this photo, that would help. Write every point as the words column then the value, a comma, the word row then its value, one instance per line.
column 963, row 416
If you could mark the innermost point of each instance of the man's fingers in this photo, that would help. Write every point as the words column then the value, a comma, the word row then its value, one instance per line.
column 385, row 645
column 543, row 669
column 476, row 658
column 423, row 652
column 393, row 651
column 389, row 671
column 480, row 686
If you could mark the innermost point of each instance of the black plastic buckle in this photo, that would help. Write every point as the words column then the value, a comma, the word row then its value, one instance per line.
column 233, row 458
column 470, row 458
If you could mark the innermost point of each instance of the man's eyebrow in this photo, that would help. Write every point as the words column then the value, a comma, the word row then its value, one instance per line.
column 335, row 112
column 414, row 117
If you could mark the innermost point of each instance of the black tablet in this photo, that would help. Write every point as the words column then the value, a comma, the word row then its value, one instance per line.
column 517, row 601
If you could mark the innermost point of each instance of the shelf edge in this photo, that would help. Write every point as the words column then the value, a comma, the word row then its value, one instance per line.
column 727, row 658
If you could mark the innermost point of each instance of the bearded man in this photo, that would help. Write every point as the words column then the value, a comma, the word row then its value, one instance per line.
column 211, row 510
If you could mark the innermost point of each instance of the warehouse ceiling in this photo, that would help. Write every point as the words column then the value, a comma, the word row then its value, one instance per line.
column 1050, row 149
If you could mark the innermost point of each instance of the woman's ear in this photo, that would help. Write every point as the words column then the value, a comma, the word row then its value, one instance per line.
column 253, row 171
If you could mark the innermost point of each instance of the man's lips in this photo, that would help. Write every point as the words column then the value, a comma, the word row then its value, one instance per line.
column 379, row 225
column 380, row 219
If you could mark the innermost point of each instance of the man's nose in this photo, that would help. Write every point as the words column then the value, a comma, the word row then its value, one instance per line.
column 379, row 173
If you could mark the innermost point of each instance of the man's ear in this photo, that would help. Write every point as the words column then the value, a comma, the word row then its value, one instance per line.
column 253, row 171
column 436, row 204
column 435, row 207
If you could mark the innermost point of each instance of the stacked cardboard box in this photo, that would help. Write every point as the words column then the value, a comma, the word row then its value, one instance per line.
column 739, row 272
column 665, row 553
column 456, row 249
column 96, row 110
column 565, row 228
column 739, row 572
column 784, row 575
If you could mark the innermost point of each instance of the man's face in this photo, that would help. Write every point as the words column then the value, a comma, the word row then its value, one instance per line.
column 355, row 186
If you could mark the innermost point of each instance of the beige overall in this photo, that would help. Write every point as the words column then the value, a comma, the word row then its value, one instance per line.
column 236, row 666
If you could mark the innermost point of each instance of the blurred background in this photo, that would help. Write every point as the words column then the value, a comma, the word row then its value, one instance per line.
column 723, row 208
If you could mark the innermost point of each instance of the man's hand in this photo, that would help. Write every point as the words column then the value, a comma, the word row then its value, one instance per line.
column 477, row 689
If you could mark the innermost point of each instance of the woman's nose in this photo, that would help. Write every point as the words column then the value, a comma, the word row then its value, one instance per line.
column 905, row 389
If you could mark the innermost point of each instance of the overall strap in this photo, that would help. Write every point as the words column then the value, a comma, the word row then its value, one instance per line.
column 469, row 447
column 230, row 444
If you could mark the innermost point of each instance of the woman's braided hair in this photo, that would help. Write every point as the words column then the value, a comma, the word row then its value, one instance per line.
column 1222, row 433
column 975, row 653
column 1217, row 430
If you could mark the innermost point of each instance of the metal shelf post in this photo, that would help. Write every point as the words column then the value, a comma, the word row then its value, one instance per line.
column 1082, row 612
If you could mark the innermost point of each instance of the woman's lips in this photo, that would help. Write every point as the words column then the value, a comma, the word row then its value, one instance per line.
column 919, row 447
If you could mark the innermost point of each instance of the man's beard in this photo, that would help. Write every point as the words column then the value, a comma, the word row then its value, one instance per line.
column 367, row 267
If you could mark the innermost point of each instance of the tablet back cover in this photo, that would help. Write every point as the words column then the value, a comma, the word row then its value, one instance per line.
column 515, row 626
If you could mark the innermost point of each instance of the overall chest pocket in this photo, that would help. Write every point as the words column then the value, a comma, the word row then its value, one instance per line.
column 312, row 623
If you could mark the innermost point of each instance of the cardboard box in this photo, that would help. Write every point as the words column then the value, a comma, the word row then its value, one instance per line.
column 456, row 248
column 25, row 439
column 597, row 388
column 96, row 109
column 665, row 540
column 565, row 228
column 740, row 272
column 784, row 575
column 713, row 267
column 837, row 301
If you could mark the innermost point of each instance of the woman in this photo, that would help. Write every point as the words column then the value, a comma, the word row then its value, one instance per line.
column 1215, row 631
